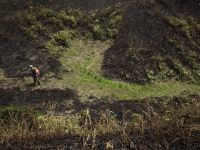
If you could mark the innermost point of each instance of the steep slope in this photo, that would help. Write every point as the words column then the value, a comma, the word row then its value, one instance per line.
column 159, row 40
column 76, row 106
column 17, row 49
column 31, row 31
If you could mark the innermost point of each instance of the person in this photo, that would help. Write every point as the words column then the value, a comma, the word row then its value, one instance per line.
column 35, row 73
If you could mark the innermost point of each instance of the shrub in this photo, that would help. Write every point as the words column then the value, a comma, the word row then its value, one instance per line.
column 45, row 13
column 68, row 19
column 63, row 38
column 55, row 22
column 98, row 32
column 59, row 42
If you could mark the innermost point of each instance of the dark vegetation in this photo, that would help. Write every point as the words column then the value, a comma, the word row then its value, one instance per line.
column 39, row 96
column 153, row 41
column 161, row 123
column 37, row 32
column 158, row 40
column 17, row 50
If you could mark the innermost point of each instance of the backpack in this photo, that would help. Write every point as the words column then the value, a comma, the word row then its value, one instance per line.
column 37, row 72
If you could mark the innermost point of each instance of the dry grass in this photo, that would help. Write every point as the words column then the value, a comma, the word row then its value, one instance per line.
column 173, row 128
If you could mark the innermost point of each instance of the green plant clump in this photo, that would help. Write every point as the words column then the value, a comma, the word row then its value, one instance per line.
column 59, row 42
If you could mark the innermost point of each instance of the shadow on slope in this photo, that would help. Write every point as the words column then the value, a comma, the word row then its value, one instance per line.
column 68, row 101
column 124, row 108
column 37, row 96
column 150, row 133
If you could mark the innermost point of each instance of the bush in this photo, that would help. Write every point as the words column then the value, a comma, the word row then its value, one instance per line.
column 55, row 22
column 63, row 38
column 100, row 25
column 45, row 13
column 68, row 19
column 98, row 32
column 59, row 42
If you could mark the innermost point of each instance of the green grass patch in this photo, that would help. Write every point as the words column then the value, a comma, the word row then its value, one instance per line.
column 85, row 58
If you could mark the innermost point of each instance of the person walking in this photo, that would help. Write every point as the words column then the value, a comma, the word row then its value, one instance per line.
column 35, row 73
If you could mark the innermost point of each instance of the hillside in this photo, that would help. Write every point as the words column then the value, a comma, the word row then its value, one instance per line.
column 114, row 74
column 27, row 35
column 158, row 40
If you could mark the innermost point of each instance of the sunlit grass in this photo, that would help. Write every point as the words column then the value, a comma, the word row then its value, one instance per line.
column 84, row 59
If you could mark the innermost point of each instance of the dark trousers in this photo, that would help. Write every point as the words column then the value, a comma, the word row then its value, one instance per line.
column 35, row 80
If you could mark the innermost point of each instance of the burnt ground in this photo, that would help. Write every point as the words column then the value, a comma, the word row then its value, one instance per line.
column 157, row 40
column 17, row 50
column 67, row 102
